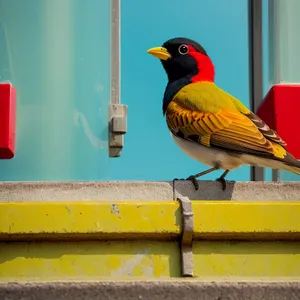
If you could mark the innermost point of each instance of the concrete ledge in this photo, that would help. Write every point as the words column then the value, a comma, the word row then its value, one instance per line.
column 157, row 191
column 242, row 191
column 72, row 191
column 152, row 290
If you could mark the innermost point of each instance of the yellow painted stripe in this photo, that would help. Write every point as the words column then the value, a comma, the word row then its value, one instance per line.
column 95, row 260
column 88, row 260
column 98, row 219
column 247, row 219
column 246, row 259
column 213, row 219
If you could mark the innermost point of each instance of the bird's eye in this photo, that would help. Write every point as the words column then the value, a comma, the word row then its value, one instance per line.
column 183, row 49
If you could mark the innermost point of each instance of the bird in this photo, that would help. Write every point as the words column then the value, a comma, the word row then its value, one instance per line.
column 209, row 124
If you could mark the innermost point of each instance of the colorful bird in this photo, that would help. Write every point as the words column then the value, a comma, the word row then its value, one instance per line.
column 209, row 124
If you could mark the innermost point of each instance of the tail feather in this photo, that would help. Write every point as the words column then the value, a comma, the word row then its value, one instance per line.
column 293, row 168
column 291, row 164
column 288, row 163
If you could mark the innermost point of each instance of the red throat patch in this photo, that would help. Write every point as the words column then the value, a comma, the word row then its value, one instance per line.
column 206, row 69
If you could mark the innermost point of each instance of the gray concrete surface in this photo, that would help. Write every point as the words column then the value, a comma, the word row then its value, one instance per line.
column 152, row 290
column 210, row 190
column 139, row 190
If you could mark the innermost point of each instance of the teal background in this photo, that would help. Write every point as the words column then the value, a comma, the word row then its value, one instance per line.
column 222, row 29
column 57, row 55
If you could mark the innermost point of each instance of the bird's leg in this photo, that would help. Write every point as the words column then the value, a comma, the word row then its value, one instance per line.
column 193, row 178
column 222, row 180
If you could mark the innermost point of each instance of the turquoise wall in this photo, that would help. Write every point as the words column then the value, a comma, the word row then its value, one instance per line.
column 222, row 28
column 57, row 54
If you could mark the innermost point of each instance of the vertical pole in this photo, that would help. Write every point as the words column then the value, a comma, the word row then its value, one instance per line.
column 115, row 52
column 255, row 68
column 274, row 55
column 117, row 123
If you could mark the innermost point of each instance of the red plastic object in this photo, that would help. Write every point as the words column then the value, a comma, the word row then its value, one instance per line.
column 281, row 111
column 7, row 120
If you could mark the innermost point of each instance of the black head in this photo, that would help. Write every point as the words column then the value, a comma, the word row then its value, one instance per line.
column 181, row 57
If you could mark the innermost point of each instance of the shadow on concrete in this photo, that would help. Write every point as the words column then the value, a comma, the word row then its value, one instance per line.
column 208, row 190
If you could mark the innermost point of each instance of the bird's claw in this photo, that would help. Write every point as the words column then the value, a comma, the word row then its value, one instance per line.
column 190, row 178
column 177, row 179
column 223, row 182
column 194, row 181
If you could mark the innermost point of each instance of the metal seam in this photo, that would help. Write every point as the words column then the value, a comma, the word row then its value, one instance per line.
column 186, row 243
column 255, row 66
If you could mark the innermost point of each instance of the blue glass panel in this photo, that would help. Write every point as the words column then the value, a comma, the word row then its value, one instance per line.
column 288, row 18
column 222, row 28
column 285, row 46
column 57, row 54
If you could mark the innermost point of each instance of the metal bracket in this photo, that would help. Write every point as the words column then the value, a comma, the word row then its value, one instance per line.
column 117, row 121
column 117, row 128
column 187, row 215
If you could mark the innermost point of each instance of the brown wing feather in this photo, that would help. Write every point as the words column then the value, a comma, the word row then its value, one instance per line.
column 196, row 114
column 228, row 130
column 269, row 133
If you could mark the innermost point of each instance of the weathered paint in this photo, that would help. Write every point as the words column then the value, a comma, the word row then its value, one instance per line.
column 225, row 259
column 98, row 219
column 91, row 260
column 88, row 260
column 126, row 240
column 160, row 220
column 264, row 220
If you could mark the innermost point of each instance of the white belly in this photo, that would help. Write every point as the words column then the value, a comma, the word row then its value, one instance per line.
column 208, row 156
column 223, row 159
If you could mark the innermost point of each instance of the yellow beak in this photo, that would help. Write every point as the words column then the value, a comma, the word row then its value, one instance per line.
column 160, row 52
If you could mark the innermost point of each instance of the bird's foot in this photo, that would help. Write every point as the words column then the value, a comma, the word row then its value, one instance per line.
column 193, row 179
column 177, row 179
column 190, row 178
column 223, row 182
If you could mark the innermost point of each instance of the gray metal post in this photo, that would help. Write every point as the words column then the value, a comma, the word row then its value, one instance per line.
column 255, row 68
column 117, row 112
column 274, row 55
